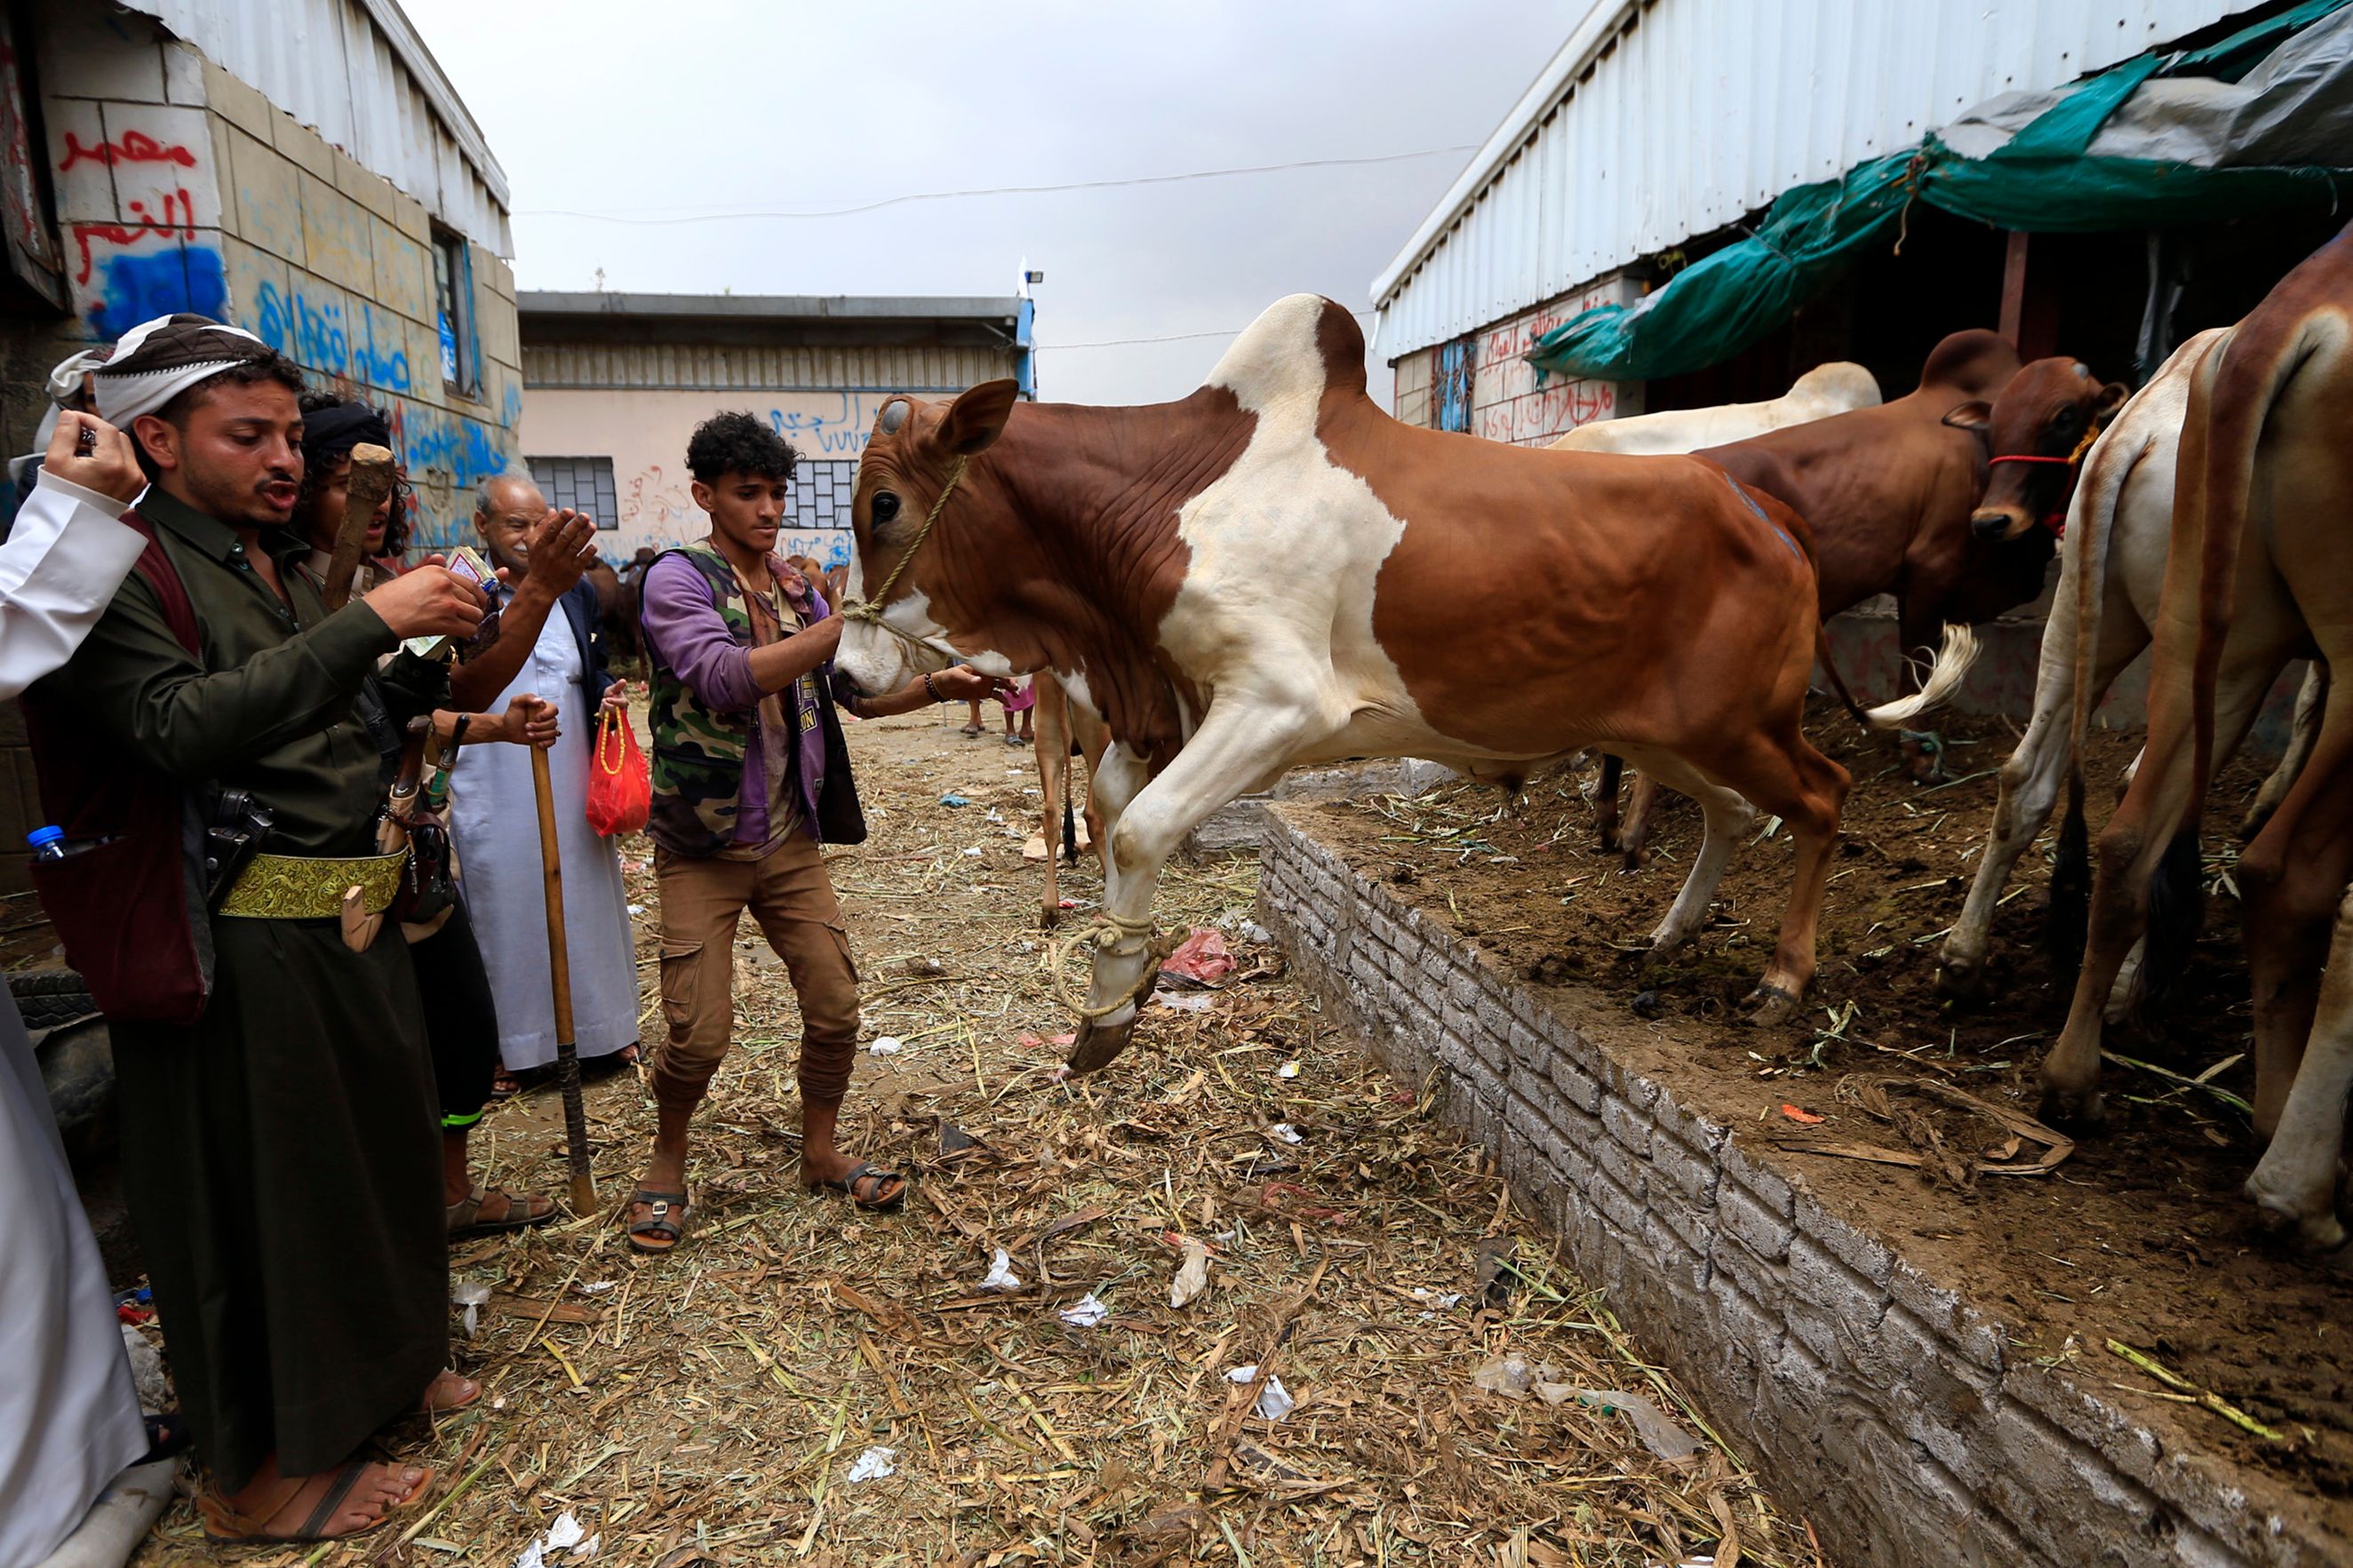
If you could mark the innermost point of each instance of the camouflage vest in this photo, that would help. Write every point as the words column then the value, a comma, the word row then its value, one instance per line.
column 698, row 761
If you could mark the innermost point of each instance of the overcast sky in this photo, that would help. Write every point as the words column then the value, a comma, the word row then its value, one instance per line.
column 691, row 107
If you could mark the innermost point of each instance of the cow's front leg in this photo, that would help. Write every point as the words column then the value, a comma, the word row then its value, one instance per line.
column 1238, row 743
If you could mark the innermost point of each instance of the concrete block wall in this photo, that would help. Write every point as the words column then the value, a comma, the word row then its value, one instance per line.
column 1507, row 404
column 180, row 187
column 1878, row 1400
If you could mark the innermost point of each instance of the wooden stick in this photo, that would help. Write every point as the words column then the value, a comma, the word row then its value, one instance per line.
column 371, row 482
column 559, row 972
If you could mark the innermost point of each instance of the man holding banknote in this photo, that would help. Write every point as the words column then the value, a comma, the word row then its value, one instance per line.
column 279, row 1144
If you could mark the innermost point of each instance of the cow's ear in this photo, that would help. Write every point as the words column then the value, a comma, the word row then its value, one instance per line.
column 1974, row 415
column 978, row 417
column 2111, row 397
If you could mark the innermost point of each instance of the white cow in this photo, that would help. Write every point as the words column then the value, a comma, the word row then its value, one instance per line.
column 1825, row 390
column 2119, row 527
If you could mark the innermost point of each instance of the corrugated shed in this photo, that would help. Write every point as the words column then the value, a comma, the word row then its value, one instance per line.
column 356, row 72
column 732, row 367
column 1663, row 119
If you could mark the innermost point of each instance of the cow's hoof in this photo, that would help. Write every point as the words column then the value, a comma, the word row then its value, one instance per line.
column 1635, row 857
column 1770, row 1006
column 2280, row 1215
column 1960, row 979
column 2076, row 1110
column 1050, row 917
column 1098, row 1047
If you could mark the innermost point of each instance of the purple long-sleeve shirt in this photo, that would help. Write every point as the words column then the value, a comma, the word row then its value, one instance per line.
column 683, row 629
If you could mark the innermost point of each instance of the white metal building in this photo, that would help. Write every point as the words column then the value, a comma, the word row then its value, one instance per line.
column 1661, row 122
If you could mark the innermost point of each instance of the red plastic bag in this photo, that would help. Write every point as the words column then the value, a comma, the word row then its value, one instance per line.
column 620, row 793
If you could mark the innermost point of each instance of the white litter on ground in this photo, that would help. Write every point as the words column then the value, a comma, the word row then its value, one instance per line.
column 1001, row 1274
column 874, row 1464
column 886, row 1045
column 1087, row 1313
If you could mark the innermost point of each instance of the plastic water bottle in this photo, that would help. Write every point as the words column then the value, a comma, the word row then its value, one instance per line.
column 48, row 843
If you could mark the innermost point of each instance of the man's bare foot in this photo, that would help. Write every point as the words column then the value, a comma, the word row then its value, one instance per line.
column 353, row 1497
column 449, row 1391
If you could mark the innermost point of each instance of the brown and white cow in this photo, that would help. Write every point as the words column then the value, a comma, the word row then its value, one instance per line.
column 2266, row 475
column 1274, row 571
column 1825, row 390
column 1893, row 494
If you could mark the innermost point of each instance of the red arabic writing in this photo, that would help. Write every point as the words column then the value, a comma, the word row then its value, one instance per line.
column 184, row 226
column 136, row 147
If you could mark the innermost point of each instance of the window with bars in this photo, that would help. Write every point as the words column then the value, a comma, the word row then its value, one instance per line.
column 453, row 311
column 819, row 497
column 584, row 484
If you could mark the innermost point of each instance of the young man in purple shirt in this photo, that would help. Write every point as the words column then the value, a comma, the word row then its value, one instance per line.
column 750, row 775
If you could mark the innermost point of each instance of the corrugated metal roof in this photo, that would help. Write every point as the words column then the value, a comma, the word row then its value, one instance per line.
column 356, row 72
column 761, row 367
column 538, row 302
column 1660, row 121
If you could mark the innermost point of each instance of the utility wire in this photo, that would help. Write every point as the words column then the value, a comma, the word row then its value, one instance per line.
column 617, row 215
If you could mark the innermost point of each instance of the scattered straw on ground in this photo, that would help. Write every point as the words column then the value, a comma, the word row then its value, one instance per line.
column 712, row 1406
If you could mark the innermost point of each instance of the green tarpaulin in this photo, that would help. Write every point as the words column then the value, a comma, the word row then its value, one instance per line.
column 2049, row 175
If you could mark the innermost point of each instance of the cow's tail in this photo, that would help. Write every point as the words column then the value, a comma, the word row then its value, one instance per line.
column 1953, row 656
column 2091, row 524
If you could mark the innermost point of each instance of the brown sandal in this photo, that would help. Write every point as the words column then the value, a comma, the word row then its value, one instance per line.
column 465, row 1215
column 667, row 1219
column 226, row 1526
column 847, row 1183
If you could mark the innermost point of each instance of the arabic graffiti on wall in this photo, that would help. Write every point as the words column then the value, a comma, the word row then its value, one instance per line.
column 316, row 336
column 445, row 455
column 1507, row 402
column 143, row 237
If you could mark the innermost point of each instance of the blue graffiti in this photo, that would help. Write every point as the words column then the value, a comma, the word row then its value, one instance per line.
column 468, row 450
column 316, row 336
column 141, row 288
column 830, row 546
column 843, row 434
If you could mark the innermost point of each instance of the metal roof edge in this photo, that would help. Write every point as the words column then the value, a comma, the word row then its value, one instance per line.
column 1601, row 24
column 402, row 35
column 770, row 307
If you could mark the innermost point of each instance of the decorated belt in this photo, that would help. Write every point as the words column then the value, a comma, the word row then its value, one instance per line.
column 309, row 888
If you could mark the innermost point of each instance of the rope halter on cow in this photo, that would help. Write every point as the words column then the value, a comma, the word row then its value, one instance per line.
column 870, row 611
column 1114, row 937
column 2055, row 520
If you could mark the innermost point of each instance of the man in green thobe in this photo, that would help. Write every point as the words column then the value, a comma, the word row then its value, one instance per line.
column 280, row 1156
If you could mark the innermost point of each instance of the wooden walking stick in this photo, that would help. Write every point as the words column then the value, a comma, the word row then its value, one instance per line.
column 371, row 482
column 559, row 970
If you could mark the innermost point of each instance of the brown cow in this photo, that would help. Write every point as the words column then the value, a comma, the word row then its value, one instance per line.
column 2260, row 550
column 1274, row 573
column 1898, row 497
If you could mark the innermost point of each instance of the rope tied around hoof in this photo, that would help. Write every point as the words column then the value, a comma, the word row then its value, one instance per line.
column 1110, row 934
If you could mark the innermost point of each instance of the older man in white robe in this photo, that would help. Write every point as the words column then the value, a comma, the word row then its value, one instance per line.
column 547, row 646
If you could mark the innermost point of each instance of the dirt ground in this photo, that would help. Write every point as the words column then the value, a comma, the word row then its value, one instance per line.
column 2141, row 1236
column 710, row 1407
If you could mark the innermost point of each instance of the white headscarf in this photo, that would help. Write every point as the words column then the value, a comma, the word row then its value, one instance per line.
column 157, row 360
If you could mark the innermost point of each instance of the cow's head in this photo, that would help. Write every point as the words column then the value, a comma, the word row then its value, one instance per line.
column 2039, row 426
column 914, row 516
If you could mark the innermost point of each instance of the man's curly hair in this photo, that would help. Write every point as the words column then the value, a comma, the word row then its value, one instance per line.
column 737, row 443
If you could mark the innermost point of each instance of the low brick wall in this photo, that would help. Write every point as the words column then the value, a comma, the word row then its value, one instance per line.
column 1874, row 1398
